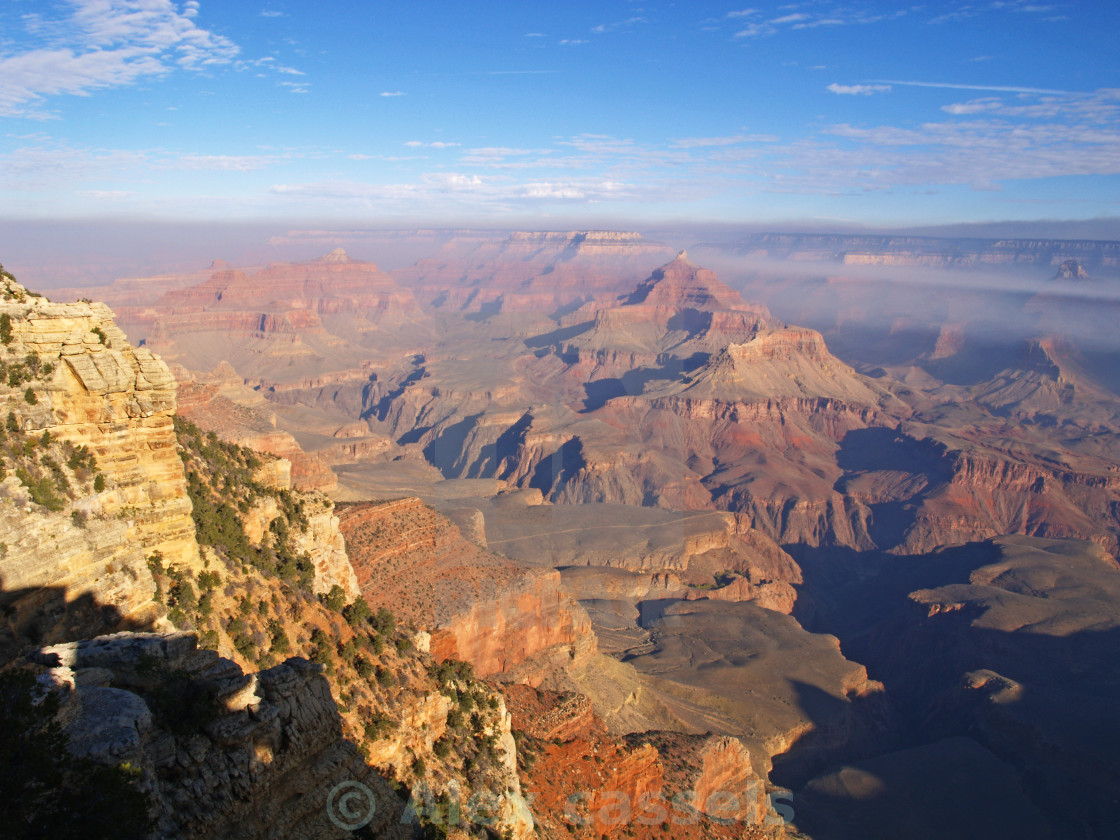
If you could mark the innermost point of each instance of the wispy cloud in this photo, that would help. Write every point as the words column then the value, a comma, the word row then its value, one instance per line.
column 820, row 14
column 105, row 44
column 858, row 90
column 1051, row 137
column 105, row 195
column 465, row 189
column 436, row 144
column 956, row 86
column 734, row 140
column 219, row 163
column 620, row 24
column 972, row 10
column 794, row 18
column 392, row 93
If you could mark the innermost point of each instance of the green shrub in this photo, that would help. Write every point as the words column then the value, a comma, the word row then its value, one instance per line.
column 377, row 725
column 364, row 667
column 357, row 612
column 335, row 600
column 182, row 594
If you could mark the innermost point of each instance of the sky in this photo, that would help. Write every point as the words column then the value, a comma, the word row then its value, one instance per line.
column 529, row 112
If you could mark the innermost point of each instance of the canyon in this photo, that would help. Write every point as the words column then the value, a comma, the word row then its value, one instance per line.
column 838, row 545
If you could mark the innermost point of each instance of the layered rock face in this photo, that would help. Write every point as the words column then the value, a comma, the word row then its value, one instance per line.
column 927, row 250
column 322, row 539
column 222, row 753
column 88, row 558
column 117, row 401
column 534, row 272
column 487, row 610
column 287, row 321
column 502, row 634
column 580, row 778
column 204, row 404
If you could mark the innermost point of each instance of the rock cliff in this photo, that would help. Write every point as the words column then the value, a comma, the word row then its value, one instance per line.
column 580, row 778
column 479, row 607
column 84, row 550
column 221, row 753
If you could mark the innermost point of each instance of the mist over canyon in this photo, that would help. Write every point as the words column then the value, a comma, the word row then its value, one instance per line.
column 828, row 522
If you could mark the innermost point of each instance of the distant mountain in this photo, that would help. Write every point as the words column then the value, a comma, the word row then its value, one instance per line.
column 943, row 252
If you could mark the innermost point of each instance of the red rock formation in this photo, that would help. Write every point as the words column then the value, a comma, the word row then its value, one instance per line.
column 682, row 285
column 503, row 632
column 580, row 780
column 534, row 272
column 478, row 606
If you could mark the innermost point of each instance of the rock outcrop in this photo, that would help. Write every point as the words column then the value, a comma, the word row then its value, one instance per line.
column 504, row 634
column 222, row 754
column 92, row 392
column 117, row 401
column 487, row 610
column 581, row 778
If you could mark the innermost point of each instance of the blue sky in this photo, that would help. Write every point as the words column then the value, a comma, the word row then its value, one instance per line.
column 525, row 112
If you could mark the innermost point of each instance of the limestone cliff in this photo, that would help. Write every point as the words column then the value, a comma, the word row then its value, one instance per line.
column 80, row 550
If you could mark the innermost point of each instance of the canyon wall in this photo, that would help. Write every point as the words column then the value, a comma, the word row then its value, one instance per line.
column 77, row 558
column 479, row 607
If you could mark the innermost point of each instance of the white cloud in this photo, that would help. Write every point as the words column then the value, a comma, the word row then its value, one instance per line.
column 621, row 24
column 436, row 144
column 858, row 90
column 109, row 195
column 703, row 142
column 813, row 24
column 496, row 157
column 997, row 88
column 756, row 30
column 392, row 93
column 573, row 41
column 975, row 106
column 105, row 44
column 463, row 190
column 220, row 163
